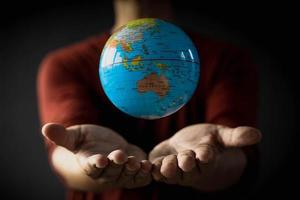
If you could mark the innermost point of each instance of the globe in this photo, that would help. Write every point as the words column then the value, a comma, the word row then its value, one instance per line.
column 149, row 68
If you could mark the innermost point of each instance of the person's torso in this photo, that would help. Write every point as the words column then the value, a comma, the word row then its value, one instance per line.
column 144, row 133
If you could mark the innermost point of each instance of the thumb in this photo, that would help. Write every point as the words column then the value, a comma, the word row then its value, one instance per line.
column 61, row 136
column 239, row 137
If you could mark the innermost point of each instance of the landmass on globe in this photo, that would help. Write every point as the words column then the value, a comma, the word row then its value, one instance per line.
column 149, row 68
column 158, row 84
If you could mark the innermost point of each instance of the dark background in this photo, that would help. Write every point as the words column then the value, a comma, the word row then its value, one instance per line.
column 29, row 31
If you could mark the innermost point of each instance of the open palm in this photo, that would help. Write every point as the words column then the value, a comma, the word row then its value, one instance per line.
column 189, row 156
column 103, row 154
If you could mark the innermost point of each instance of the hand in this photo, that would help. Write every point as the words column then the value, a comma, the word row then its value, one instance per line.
column 102, row 154
column 190, row 157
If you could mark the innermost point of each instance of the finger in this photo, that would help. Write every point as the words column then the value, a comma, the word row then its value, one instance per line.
column 132, row 164
column 58, row 134
column 238, row 137
column 146, row 166
column 143, row 177
column 118, row 157
column 112, row 171
column 98, row 160
column 205, row 153
column 126, row 178
column 95, row 165
column 188, row 178
column 186, row 160
column 169, row 166
column 144, row 171
column 156, row 169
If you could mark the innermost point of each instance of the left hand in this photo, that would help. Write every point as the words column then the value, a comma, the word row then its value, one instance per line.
column 188, row 157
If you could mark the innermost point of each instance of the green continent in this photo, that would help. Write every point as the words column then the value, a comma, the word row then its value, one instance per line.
column 148, row 22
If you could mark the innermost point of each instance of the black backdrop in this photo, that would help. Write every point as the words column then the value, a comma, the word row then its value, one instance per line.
column 29, row 31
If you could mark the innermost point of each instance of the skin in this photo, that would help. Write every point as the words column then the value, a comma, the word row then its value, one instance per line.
column 99, row 162
column 203, row 155
column 96, row 158
column 206, row 157
column 127, row 10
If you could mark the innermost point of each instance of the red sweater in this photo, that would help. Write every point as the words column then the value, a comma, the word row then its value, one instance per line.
column 69, row 92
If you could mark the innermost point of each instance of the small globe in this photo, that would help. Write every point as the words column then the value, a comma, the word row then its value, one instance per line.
column 149, row 68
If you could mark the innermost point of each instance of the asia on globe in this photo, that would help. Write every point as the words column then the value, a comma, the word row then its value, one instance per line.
column 149, row 68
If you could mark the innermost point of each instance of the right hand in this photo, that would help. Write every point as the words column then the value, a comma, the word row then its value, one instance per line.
column 103, row 154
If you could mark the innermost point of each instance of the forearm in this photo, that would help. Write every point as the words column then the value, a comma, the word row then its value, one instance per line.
column 226, row 171
column 66, row 165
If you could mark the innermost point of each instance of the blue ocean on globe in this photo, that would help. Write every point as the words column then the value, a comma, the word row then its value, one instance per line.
column 149, row 68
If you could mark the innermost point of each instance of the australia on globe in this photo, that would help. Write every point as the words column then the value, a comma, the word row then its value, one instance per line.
column 149, row 68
